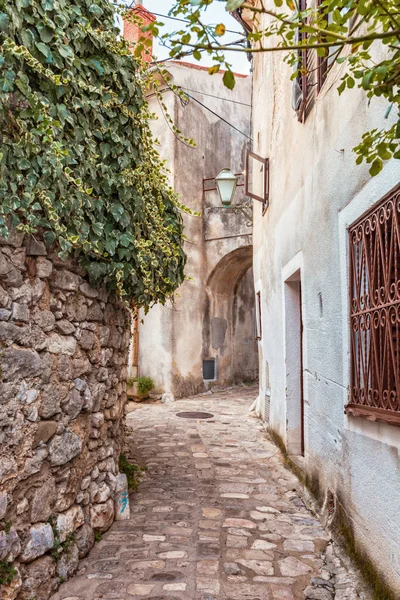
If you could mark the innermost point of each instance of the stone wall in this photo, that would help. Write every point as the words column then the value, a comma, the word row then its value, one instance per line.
column 63, row 357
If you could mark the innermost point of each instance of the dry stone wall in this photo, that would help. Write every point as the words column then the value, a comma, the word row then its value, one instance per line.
column 63, row 361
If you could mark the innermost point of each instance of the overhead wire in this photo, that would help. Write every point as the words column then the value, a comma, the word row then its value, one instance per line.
column 218, row 116
column 201, row 104
column 217, row 97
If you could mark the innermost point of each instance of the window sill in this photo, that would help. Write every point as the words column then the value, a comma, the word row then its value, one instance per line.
column 373, row 414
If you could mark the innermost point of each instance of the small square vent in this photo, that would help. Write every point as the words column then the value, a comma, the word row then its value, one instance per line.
column 209, row 369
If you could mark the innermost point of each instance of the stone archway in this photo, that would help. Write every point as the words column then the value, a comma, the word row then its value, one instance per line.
column 228, row 328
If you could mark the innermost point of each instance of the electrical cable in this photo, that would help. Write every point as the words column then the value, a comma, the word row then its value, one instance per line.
column 217, row 97
column 218, row 116
column 201, row 104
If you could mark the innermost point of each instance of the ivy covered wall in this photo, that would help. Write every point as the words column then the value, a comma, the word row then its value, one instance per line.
column 77, row 159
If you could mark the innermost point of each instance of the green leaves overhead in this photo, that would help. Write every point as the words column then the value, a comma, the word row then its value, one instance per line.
column 77, row 159
column 363, row 35
column 229, row 80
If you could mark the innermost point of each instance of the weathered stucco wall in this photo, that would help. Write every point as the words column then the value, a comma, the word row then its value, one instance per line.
column 314, row 182
column 62, row 391
column 175, row 339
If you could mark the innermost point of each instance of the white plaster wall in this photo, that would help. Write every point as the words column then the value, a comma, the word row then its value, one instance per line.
column 172, row 344
column 316, row 192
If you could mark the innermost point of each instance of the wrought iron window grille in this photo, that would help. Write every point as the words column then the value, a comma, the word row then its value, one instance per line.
column 374, row 254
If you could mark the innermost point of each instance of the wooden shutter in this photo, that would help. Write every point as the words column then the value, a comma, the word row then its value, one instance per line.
column 307, row 81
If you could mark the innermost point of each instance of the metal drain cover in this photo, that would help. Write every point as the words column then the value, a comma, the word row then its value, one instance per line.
column 194, row 415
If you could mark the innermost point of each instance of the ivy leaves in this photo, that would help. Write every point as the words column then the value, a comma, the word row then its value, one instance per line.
column 77, row 159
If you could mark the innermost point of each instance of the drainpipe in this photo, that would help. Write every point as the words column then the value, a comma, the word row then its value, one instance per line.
column 135, row 345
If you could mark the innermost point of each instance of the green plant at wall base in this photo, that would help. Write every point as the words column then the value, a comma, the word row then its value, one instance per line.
column 361, row 35
column 132, row 471
column 145, row 385
column 130, row 381
column 77, row 158
column 58, row 546
column 7, row 527
column 98, row 536
column 7, row 573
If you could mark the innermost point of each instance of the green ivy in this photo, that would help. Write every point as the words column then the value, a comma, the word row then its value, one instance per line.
column 133, row 472
column 77, row 159
column 7, row 572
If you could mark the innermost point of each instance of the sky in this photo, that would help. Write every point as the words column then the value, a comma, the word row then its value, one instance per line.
column 215, row 14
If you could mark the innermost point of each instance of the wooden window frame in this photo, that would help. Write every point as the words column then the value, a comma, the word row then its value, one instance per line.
column 307, row 80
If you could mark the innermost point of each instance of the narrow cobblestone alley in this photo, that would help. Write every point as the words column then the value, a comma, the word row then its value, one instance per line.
column 217, row 516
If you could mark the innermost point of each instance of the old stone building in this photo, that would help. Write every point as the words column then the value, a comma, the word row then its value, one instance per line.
column 63, row 353
column 206, row 336
column 326, row 268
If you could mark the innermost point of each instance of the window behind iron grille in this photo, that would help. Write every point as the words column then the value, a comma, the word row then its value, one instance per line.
column 374, row 254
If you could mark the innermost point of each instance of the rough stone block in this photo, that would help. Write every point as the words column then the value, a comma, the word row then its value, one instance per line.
column 122, row 509
column 57, row 344
column 64, row 448
column 35, row 247
column 40, row 540
column 69, row 521
column 3, row 504
column 38, row 578
column 14, row 239
column 43, row 500
column 5, row 301
column 10, row 545
column 14, row 278
column 5, row 265
column 102, row 515
column 19, row 312
column 65, row 327
column 44, row 432
column 68, row 562
column 44, row 268
column 45, row 319
column 84, row 539
column 88, row 291
column 66, row 280
column 10, row 592
column 20, row 362
column 74, row 404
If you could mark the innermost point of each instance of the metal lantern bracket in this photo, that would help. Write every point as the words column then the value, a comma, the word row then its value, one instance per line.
column 244, row 208
column 212, row 179
column 264, row 199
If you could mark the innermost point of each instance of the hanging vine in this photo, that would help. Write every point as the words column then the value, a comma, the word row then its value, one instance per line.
column 77, row 158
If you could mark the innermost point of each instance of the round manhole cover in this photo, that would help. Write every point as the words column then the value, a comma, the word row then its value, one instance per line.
column 194, row 415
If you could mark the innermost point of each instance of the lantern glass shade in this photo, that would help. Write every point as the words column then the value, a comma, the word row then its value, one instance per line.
column 226, row 183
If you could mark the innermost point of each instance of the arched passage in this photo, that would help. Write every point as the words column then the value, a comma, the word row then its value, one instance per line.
column 228, row 329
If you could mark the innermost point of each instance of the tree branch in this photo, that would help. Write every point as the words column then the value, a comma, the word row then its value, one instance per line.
column 348, row 41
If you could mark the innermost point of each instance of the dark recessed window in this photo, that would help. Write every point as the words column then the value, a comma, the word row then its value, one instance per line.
column 209, row 369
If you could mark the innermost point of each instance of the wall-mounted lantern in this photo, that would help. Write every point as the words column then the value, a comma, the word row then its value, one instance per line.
column 255, row 179
column 226, row 183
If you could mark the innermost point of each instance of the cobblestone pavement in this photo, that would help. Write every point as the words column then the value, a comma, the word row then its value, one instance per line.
column 217, row 516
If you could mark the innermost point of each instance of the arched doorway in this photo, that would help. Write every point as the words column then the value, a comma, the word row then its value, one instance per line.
column 229, row 341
